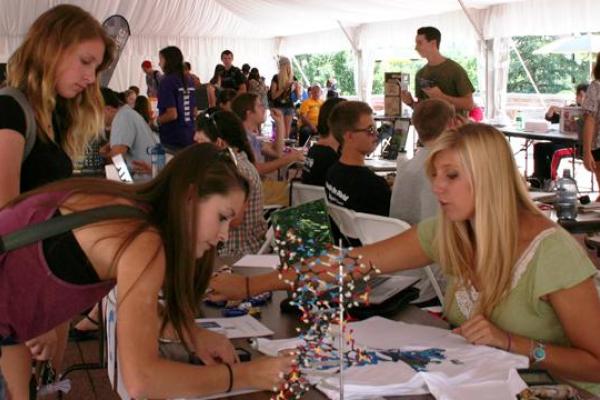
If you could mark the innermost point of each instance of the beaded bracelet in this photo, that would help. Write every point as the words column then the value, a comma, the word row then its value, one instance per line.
column 247, row 287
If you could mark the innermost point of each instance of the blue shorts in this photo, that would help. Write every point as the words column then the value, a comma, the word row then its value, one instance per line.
column 286, row 110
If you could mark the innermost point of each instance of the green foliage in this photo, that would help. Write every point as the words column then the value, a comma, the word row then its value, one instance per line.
column 320, row 67
column 552, row 73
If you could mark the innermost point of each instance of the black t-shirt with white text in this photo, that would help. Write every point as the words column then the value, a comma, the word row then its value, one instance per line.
column 316, row 164
column 358, row 188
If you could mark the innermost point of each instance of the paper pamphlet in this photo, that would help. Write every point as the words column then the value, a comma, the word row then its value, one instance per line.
column 258, row 261
column 236, row 327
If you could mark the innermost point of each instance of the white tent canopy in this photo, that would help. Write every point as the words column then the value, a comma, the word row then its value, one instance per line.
column 257, row 30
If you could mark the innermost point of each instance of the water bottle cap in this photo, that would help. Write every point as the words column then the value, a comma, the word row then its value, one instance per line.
column 566, row 173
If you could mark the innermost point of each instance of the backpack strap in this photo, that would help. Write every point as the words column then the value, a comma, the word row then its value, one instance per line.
column 64, row 223
column 31, row 126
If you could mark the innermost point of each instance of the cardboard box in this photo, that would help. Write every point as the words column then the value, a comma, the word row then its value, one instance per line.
column 571, row 119
column 395, row 82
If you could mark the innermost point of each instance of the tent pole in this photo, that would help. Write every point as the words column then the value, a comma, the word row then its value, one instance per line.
column 485, row 49
column 304, row 77
column 512, row 46
column 358, row 76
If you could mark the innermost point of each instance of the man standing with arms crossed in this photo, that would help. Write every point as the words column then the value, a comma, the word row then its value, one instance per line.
column 441, row 78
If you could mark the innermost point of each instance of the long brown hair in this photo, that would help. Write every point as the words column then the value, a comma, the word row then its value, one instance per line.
column 227, row 126
column 32, row 69
column 207, row 172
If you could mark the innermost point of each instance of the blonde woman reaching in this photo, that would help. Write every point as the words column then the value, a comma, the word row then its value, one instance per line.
column 517, row 281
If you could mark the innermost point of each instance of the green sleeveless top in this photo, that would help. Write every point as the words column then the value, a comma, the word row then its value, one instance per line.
column 552, row 261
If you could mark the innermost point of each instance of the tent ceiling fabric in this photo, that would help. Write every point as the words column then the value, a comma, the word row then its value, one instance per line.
column 257, row 30
column 235, row 18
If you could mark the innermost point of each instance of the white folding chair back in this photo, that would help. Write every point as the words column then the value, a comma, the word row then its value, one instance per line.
column 113, row 368
column 344, row 219
column 374, row 228
column 267, row 246
column 302, row 193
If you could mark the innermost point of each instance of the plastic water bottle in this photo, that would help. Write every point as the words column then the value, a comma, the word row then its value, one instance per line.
column 157, row 158
column 519, row 121
column 566, row 196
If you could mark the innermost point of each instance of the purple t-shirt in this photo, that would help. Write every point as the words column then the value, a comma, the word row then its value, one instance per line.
column 171, row 93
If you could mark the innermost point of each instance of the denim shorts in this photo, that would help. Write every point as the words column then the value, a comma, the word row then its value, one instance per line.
column 286, row 110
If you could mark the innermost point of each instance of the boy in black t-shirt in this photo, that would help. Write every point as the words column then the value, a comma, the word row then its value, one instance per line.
column 349, row 183
column 325, row 152
column 232, row 77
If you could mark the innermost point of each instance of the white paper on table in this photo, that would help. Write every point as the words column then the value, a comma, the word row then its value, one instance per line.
column 221, row 395
column 272, row 347
column 383, row 333
column 245, row 326
column 258, row 261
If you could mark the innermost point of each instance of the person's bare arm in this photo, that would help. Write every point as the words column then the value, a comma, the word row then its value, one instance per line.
column 578, row 309
column 12, row 147
column 212, row 99
column 275, row 149
column 397, row 253
column 145, row 374
column 274, row 165
column 589, row 128
column 169, row 115
column 460, row 102
column 118, row 149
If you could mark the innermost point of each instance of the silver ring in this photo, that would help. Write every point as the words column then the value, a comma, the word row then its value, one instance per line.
column 274, row 389
column 281, row 375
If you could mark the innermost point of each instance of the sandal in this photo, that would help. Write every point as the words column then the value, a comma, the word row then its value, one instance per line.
column 81, row 335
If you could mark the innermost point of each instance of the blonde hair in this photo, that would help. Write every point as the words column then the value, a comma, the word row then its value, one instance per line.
column 285, row 74
column 483, row 250
column 32, row 69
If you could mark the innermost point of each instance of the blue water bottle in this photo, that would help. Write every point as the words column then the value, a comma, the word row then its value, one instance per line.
column 566, row 197
column 157, row 158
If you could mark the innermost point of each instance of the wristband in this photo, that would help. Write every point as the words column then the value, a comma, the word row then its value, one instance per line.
column 230, row 378
column 247, row 287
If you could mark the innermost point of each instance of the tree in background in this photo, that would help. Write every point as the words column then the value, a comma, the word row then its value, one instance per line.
column 320, row 67
column 553, row 73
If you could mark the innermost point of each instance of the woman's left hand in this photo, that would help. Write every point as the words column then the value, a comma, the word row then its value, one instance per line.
column 478, row 330
column 212, row 347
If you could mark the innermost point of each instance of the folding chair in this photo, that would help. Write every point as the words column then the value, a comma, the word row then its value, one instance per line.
column 369, row 228
column 344, row 219
column 301, row 193
column 374, row 228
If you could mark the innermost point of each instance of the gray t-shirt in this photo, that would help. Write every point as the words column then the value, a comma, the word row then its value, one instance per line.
column 413, row 201
column 412, row 198
column 129, row 129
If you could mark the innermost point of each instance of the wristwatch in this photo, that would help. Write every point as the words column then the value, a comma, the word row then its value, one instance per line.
column 538, row 352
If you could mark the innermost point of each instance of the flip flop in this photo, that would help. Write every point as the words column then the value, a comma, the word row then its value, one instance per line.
column 78, row 335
